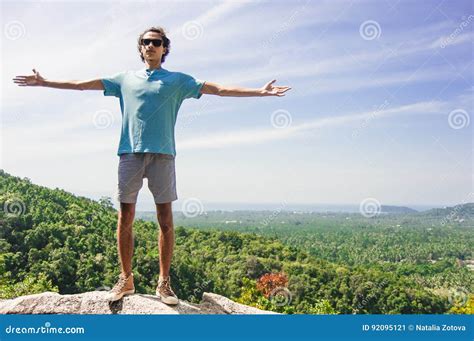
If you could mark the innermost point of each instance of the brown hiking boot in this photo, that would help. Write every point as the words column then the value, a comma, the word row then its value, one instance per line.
column 124, row 286
column 165, row 292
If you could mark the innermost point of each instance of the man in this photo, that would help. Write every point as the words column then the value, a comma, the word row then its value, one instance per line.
column 149, row 100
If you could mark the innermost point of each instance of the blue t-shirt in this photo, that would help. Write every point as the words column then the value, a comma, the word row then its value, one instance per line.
column 149, row 101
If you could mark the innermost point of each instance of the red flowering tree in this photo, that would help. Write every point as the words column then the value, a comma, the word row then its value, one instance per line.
column 270, row 281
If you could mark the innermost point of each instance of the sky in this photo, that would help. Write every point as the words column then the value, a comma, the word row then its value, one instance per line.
column 381, row 105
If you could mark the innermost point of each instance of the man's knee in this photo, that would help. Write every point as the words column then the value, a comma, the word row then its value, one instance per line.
column 127, row 212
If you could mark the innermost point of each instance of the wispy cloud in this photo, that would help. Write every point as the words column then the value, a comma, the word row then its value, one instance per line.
column 252, row 136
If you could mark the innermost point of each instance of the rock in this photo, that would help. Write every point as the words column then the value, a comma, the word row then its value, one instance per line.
column 94, row 302
column 231, row 307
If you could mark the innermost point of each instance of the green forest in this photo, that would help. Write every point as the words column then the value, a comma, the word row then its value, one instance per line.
column 52, row 240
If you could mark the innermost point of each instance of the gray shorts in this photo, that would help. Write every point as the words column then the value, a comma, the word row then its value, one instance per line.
column 158, row 168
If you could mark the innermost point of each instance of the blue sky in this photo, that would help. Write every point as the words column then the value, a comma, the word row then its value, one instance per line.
column 381, row 105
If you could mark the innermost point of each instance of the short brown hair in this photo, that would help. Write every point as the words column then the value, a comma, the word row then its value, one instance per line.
column 166, row 41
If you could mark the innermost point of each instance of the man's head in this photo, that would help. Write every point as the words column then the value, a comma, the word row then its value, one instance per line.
column 148, row 43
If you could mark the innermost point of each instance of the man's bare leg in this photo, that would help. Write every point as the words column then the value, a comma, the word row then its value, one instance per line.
column 166, row 237
column 166, row 245
column 124, row 285
column 125, row 236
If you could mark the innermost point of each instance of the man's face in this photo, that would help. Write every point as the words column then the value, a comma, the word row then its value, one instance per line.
column 150, row 52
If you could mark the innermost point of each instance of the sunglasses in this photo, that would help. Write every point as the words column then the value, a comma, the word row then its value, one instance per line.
column 155, row 42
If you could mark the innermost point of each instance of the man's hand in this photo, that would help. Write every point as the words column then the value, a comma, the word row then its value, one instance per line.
column 37, row 80
column 33, row 80
column 271, row 90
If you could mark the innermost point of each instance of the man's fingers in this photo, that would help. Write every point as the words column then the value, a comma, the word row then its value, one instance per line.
column 25, row 78
column 270, row 83
column 281, row 91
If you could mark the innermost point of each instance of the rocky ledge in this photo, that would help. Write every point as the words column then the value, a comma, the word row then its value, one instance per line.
column 94, row 302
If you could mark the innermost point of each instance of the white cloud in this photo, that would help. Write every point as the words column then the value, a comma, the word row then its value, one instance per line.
column 242, row 137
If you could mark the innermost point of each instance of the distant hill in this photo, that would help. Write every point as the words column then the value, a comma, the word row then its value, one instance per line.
column 396, row 209
column 453, row 213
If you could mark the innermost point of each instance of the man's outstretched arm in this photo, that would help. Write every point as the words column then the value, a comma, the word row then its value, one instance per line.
column 37, row 80
column 267, row 90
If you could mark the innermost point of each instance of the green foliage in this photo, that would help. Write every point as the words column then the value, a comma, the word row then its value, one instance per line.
column 253, row 297
column 57, row 241
column 30, row 285
column 428, row 249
